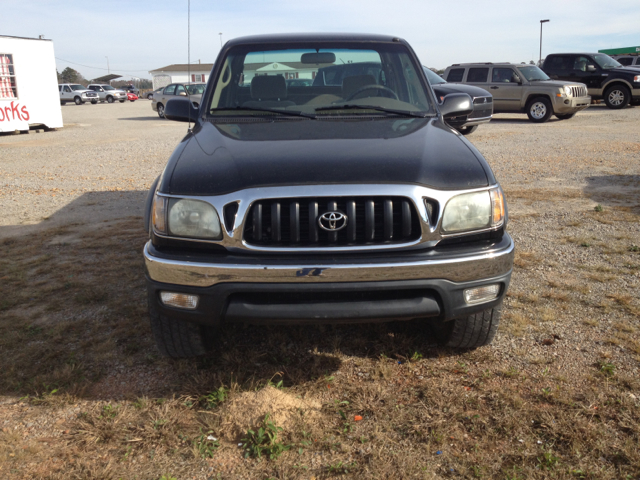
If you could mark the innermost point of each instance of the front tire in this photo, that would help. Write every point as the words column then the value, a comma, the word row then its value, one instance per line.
column 472, row 331
column 539, row 110
column 109, row 99
column 177, row 338
column 122, row 101
column 467, row 130
column 565, row 116
column 78, row 101
column 150, row 96
column 93, row 102
column 617, row 96
column 160, row 108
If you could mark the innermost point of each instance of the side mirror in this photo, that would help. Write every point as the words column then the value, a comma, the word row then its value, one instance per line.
column 591, row 68
column 181, row 110
column 183, row 94
column 453, row 105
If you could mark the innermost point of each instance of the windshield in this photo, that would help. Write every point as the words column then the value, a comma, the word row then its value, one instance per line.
column 433, row 77
column 196, row 89
column 107, row 87
column 605, row 61
column 533, row 73
column 365, row 78
column 78, row 87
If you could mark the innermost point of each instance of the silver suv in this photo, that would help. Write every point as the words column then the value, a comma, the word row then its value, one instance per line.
column 627, row 60
column 74, row 92
column 108, row 94
column 522, row 88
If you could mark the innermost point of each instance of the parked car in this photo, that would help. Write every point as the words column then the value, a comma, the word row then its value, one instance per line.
column 605, row 78
column 160, row 98
column 522, row 88
column 109, row 94
column 132, row 89
column 482, row 102
column 150, row 94
column 627, row 60
column 79, row 94
column 132, row 97
column 327, row 204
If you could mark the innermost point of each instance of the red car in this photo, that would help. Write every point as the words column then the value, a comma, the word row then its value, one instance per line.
column 132, row 97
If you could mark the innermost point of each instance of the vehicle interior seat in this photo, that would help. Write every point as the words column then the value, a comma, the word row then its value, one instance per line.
column 352, row 84
column 268, row 91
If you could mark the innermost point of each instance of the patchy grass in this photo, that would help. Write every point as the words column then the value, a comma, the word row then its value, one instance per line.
column 370, row 401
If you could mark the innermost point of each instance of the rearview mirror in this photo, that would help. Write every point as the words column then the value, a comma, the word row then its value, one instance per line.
column 316, row 58
column 181, row 110
column 453, row 105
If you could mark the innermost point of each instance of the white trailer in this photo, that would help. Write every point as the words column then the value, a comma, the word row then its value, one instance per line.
column 28, row 84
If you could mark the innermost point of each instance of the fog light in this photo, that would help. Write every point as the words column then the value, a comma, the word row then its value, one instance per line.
column 179, row 300
column 481, row 294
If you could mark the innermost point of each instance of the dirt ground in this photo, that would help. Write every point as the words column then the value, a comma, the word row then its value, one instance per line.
column 84, row 393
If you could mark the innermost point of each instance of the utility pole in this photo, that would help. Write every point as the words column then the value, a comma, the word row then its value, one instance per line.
column 541, row 22
column 108, row 71
column 220, row 40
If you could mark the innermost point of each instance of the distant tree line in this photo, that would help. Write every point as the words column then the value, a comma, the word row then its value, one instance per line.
column 69, row 75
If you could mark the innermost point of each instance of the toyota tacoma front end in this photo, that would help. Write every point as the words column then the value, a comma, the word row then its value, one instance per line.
column 324, row 203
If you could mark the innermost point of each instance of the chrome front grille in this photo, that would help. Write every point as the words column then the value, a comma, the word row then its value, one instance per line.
column 292, row 222
column 578, row 91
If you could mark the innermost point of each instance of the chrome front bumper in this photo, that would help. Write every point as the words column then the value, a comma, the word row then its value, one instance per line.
column 456, row 267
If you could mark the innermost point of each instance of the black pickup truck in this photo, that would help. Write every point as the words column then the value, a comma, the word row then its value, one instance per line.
column 352, row 202
column 604, row 77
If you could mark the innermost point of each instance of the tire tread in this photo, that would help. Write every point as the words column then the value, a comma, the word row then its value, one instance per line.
column 177, row 338
column 475, row 330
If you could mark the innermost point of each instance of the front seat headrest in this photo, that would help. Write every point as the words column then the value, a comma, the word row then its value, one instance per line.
column 268, row 87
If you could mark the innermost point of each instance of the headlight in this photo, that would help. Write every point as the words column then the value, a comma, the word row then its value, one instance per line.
column 567, row 91
column 193, row 218
column 474, row 211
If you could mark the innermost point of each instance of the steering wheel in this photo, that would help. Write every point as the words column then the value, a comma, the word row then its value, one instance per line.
column 380, row 88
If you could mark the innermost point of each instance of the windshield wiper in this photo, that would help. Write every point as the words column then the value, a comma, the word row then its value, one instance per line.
column 349, row 106
column 292, row 113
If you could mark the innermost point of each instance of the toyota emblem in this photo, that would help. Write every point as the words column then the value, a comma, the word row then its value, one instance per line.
column 332, row 221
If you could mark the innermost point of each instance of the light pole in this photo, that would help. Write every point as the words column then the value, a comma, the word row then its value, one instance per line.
column 108, row 71
column 541, row 22
column 220, row 40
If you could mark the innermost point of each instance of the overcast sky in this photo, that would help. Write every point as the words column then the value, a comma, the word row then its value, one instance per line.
column 139, row 35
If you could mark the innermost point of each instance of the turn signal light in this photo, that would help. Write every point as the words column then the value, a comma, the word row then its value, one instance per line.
column 473, row 296
column 179, row 300
column 497, row 207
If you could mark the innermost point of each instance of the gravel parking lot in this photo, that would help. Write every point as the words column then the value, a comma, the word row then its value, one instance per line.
column 567, row 351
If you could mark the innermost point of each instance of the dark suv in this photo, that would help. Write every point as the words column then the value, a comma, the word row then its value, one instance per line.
column 604, row 77
column 324, row 203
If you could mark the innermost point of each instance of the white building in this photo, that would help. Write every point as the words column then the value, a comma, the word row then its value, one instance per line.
column 28, row 84
column 179, row 73
column 200, row 72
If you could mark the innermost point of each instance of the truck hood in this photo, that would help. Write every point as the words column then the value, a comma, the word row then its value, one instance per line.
column 442, row 89
column 557, row 83
column 627, row 69
column 219, row 158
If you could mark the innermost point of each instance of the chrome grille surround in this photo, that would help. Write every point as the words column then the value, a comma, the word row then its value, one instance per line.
column 232, row 235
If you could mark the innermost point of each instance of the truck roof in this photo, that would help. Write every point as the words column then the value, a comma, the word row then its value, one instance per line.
column 312, row 37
